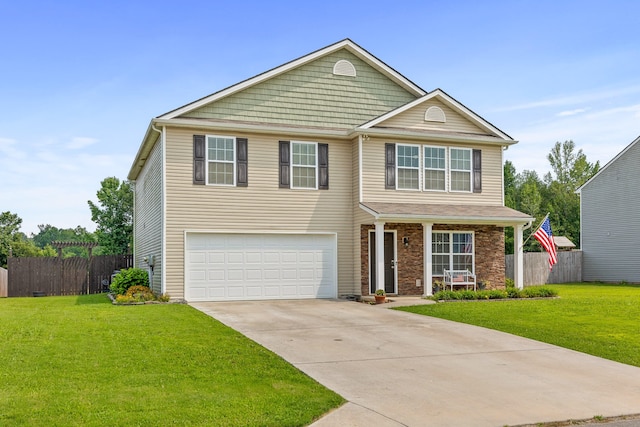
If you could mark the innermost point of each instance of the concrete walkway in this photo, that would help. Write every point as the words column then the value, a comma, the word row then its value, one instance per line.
column 401, row 369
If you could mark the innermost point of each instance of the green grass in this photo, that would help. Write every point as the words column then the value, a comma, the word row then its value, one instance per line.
column 80, row 361
column 598, row 319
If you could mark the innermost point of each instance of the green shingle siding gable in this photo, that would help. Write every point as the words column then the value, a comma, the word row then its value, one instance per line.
column 311, row 95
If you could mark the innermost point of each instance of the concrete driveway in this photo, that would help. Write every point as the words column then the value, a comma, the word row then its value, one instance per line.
column 402, row 369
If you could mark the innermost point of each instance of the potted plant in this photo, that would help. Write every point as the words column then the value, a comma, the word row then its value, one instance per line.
column 380, row 296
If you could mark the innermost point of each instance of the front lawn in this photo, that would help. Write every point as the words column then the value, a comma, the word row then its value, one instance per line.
column 598, row 319
column 70, row 361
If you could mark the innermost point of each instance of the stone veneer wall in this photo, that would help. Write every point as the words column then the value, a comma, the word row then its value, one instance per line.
column 489, row 256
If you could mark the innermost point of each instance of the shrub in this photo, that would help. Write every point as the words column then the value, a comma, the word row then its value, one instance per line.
column 467, row 294
column 140, row 293
column 512, row 292
column 127, row 278
column 538, row 292
column 509, row 283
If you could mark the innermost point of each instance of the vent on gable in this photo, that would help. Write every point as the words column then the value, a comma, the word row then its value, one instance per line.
column 344, row 68
column 434, row 114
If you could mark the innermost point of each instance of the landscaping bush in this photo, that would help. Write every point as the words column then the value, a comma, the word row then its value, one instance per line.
column 509, row 283
column 127, row 278
column 511, row 292
column 538, row 292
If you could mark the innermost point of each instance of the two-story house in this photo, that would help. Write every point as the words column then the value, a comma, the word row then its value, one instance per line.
column 327, row 176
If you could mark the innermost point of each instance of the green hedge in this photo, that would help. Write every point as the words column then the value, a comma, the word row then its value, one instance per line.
column 532, row 292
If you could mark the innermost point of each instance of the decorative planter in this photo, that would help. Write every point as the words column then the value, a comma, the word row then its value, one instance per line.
column 380, row 299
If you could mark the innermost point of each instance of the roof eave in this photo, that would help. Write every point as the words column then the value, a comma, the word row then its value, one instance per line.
column 432, row 136
column 448, row 219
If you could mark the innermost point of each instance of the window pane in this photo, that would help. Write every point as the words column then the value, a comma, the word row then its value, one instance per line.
column 408, row 156
column 439, row 264
column 461, row 159
column 304, row 177
column 433, row 158
column 220, row 173
column 434, row 180
column 463, row 262
column 408, row 178
column 460, row 181
column 462, row 243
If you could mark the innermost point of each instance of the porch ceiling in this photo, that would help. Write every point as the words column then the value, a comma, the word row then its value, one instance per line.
column 445, row 214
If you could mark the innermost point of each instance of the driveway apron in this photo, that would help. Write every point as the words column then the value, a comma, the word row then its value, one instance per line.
column 403, row 369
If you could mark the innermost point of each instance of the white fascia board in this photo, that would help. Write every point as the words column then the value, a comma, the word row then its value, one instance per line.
column 432, row 136
column 255, row 128
column 439, row 93
column 348, row 44
column 143, row 152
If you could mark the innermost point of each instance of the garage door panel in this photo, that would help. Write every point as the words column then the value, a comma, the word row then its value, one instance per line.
column 259, row 266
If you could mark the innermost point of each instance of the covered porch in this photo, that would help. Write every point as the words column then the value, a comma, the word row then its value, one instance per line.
column 408, row 246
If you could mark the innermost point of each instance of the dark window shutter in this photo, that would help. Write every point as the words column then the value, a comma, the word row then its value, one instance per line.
column 285, row 161
column 477, row 171
column 199, row 159
column 323, row 166
column 390, row 163
column 242, row 173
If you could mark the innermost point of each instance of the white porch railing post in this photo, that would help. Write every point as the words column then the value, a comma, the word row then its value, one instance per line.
column 379, row 255
column 518, row 260
column 427, row 230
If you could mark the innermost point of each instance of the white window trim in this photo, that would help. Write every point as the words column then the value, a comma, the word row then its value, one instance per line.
column 446, row 173
column 451, row 253
column 315, row 167
column 470, row 171
column 418, row 168
column 221, row 161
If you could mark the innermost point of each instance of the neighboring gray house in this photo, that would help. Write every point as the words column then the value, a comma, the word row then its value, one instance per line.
column 610, row 220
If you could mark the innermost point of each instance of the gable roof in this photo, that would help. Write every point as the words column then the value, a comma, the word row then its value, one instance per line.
column 602, row 169
column 448, row 100
column 344, row 44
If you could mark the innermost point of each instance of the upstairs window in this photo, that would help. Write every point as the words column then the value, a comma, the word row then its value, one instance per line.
column 435, row 168
column 221, row 160
column 304, row 163
column 408, row 167
column 460, row 164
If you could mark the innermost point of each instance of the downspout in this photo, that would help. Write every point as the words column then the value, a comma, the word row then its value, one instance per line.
column 163, row 210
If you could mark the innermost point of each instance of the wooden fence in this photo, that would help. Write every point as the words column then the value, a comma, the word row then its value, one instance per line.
column 536, row 268
column 4, row 278
column 32, row 276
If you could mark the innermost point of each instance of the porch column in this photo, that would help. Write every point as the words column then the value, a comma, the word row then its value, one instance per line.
column 379, row 254
column 518, row 258
column 427, row 229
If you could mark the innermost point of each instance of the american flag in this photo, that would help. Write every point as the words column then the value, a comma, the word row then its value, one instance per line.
column 545, row 237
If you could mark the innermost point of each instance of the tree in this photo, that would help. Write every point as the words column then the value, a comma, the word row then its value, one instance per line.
column 9, row 227
column 114, row 216
column 570, row 169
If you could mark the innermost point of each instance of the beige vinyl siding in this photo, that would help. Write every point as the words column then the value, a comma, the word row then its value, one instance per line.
column 414, row 119
column 374, row 177
column 311, row 95
column 148, row 215
column 260, row 207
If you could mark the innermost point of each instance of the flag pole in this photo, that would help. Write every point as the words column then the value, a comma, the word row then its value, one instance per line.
column 538, row 228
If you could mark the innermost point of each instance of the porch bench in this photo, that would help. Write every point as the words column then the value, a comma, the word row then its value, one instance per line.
column 459, row 278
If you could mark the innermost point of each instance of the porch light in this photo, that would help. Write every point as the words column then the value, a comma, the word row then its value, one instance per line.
column 405, row 240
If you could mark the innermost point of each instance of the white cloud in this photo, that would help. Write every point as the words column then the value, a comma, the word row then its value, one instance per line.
column 571, row 112
column 80, row 142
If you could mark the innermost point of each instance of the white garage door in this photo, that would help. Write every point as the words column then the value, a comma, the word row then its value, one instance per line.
column 225, row 267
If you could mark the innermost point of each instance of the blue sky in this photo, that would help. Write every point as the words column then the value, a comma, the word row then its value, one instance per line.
column 80, row 80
